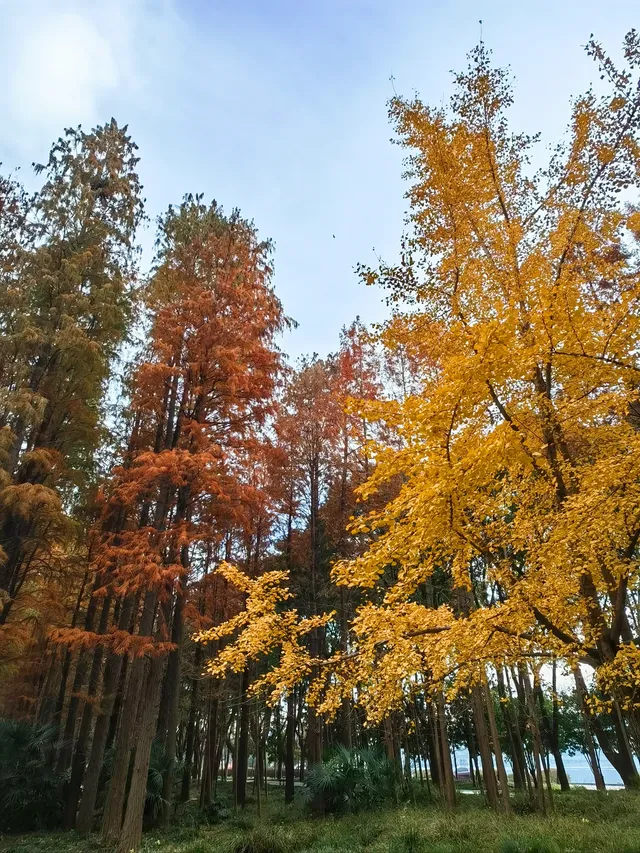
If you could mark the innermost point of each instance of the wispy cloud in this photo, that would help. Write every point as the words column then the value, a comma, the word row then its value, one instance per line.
column 62, row 62
column 278, row 107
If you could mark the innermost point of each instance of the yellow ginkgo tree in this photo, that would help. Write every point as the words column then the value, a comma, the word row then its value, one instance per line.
column 518, row 295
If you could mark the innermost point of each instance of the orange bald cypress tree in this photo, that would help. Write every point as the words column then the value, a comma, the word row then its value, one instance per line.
column 200, row 398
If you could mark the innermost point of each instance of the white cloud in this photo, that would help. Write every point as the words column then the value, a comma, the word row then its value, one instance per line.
column 63, row 66
column 64, row 63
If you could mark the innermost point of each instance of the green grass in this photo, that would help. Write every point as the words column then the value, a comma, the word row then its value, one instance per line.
column 582, row 822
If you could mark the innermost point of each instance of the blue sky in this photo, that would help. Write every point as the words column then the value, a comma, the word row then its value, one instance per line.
column 279, row 107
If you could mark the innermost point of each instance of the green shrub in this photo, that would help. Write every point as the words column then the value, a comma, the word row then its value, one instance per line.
column 523, row 804
column 351, row 779
column 29, row 788
column 159, row 765
column 216, row 812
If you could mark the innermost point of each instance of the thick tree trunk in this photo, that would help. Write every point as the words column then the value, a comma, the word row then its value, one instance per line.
column 125, row 739
column 91, row 781
column 131, row 832
column 622, row 760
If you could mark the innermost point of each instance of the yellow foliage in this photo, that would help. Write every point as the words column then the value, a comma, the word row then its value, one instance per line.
column 519, row 458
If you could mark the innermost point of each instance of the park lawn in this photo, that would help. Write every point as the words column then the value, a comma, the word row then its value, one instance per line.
column 582, row 822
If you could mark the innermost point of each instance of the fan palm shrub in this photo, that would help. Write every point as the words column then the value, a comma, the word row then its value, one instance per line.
column 29, row 787
column 351, row 779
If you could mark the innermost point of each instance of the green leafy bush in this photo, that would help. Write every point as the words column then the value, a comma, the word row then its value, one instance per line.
column 159, row 764
column 29, row 788
column 351, row 779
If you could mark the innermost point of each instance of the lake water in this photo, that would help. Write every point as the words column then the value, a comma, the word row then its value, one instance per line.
column 576, row 766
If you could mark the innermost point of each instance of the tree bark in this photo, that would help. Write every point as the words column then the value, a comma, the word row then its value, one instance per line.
column 84, row 821
column 497, row 750
column 185, row 791
column 66, row 744
column 488, row 772
column 172, row 690
column 448, row 780
column 74, row 788
column 125, row 739
column 289, row 759
column 243, row 741
column 131, row 832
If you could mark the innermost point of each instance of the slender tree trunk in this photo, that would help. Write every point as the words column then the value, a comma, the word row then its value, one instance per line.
column 419, row 763
column 172, row 689
column 66, row 666
column 497, row 750
column 289, row 761
column 511, row 725
column 518, row 729
column 591, row 747
column 219, row 750
column 536, row 739
column 243, row 741
column 345, row 708
column 257, row 769
column 550, row 728
column 449, row 782
column 66, row 745
column 74, row 788
column 185, row 791
column 488, row 773
column 314, row 722
column 207, row 768
column 622, row 760
column 432, row 746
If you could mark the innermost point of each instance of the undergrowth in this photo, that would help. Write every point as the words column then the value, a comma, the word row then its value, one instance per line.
column 582, row 822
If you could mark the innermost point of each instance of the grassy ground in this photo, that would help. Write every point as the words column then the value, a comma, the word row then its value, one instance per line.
column 582, row 822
